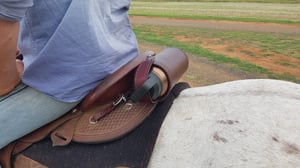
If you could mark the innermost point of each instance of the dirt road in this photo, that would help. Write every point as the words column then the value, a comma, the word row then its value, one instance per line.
column 202, row 71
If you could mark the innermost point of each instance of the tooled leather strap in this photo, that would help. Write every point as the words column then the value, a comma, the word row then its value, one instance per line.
column 95, row 118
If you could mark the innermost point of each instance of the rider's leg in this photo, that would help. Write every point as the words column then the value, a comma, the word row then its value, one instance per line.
column 24, row 110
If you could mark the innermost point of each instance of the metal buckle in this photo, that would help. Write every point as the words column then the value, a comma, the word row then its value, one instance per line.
column 120, row 100
column 150, row 56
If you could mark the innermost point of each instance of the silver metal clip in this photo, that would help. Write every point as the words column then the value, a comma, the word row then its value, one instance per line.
column 120, row 100
column 150, row 56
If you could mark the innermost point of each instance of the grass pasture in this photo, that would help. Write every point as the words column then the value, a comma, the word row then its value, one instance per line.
column 251, row 12
column 271, row 55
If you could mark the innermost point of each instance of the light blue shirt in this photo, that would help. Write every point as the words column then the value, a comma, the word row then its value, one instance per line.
column 69, row 46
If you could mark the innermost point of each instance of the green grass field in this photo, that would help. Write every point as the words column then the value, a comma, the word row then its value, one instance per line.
column 250, row 12
column 268, row 45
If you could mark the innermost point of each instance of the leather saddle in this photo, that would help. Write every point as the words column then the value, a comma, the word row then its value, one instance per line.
column 114, row 108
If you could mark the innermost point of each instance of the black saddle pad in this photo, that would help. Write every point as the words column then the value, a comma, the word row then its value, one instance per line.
column 131, row 151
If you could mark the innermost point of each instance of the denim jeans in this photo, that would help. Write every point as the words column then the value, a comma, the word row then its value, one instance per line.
column 24, row 110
